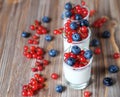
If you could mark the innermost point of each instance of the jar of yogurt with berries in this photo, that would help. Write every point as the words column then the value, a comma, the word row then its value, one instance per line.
column 77, row 67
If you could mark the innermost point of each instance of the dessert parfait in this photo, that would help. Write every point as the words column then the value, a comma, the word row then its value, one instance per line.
column 77, row 67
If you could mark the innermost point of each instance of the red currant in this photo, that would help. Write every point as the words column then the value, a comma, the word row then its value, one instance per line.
column 87, row 93
column 32, row 27
column 54, row 76
column 97, row 51
column 116, row 55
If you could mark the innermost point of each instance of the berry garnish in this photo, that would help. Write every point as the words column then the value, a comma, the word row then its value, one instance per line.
column 88, row 54
column 73, row 25
column 87, row 93
column 46, row 19
column 95, row 42
column 68, row 6
column 70, row 61
column 97, row 51
column 76, row 37
column 48, row 37
column 25, row 34
column 106, row 34
column 54, row 76
column 75, row 49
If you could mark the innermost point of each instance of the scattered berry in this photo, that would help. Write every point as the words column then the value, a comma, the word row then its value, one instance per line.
column 113, row 68
column 97, row 51
column 59, row 88
column 48, row 37
column 108, row 81
column 95, row 42
column 106, row 34
column 53, row 52
column 25, row 34
column 54, row 76
column 87, row 93
column 46, row 19
column 116, row 55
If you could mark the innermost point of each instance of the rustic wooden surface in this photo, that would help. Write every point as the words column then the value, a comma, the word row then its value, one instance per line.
column 15, row 69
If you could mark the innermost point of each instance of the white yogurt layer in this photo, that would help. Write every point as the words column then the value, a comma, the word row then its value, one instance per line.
column 77, row 76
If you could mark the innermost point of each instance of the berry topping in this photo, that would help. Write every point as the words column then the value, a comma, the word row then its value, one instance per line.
column 68, row 6
column 73, row 25
column 53, row 52
column 68, row 14
column 108, row 81
column 113, row 68
column 88, row 54
column 78, row 17
column 75, row 49
column 76, row 37
column 70, row 61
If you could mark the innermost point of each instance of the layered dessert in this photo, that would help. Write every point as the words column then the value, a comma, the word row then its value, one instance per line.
column 77, row 67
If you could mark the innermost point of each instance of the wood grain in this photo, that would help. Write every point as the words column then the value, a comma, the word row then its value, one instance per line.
column 15, row 70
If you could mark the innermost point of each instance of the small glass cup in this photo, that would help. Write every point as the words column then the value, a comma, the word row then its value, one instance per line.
column 82, row 44
column 77, row 78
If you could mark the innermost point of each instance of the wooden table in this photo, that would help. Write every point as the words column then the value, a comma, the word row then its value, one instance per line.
column 15, row 70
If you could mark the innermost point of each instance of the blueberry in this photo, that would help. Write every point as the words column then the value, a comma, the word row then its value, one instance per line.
column 78, row 17
column 68, row 14
column 59, row 88
column 48, row 37
column 88, row 54
column 75, row 49
column 46, row 19
column 108, row 81
column 113, row 68
column 25, row 34
column 53, row 53
column 84, row 23
column 73, row 25
column 70, row 61
column 68, row 6
column 106, row 34
column 76, row 37
column 95, row 42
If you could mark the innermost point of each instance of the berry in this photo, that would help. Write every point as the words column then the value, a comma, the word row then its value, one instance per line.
column 73, row 25
column 46, row 19
column 116, row 55
column 48, row 37
column 88, row 54
column 53, row 52
column 54, row 76
column 59, row 88
column 95, row 42
column 68, row 14
column 84, row 23
column 68, row 6
column 113, row 68
column 78, row 17
column 84, row 29
column 97, row 51
column 87, row 93
column 70, row 61
column 106, row 34
column 108, row 81
column 75, row 49
column 76, row 37
column 25, row 34
column 32, row 27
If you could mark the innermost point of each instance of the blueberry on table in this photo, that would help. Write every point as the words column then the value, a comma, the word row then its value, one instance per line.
column 95, row 42
column 76, row 37
column 25, row 34
column 68, row 14
column 46, row 19
column 106, row 34
column 48, row 37
column 73, row 26
column 113, row 68
column 53, row 52
column 108, row 81
column 68, row 6
column 59, row 88
column 70, row 61
column 88, row 54
column 78, row 17
column 75, row 49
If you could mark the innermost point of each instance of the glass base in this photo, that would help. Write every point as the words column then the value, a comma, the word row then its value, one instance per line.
column 77, row 86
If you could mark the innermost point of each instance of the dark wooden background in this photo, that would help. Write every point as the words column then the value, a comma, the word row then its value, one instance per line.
column 15, row 70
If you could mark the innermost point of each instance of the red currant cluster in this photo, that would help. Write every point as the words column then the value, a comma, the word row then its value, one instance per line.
column 34, row 85
column 78, row 10
column 58, row 31
column 99, row 22
column 80, row 60
column 35, row 52
column 82, row 31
